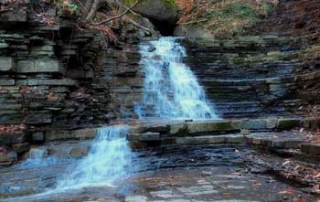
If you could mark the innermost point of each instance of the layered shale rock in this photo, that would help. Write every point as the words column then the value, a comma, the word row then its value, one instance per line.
column 54, row 76
column 257, row 76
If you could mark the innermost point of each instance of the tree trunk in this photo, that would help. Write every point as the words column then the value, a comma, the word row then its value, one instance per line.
column 88, row 5
column 93, row 10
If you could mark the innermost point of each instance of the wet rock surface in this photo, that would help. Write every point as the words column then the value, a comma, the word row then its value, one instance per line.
column 256, row 76
column 196, row 173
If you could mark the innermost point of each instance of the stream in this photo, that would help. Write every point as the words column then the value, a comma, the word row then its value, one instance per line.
column 109, row 170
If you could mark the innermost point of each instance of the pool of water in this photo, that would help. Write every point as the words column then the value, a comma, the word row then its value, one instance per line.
column 193, row 173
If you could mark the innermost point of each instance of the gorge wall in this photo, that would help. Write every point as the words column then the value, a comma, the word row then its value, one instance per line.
column 55, row 76
column 50, row 75
column 273, row 71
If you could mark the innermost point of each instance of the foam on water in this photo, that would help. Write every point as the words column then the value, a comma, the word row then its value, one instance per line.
column 108, row 160
column 171, row 90
column 38, row 157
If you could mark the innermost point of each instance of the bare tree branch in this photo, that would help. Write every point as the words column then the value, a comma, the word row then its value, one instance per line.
column 192, row 22
column 117, row 16
column 93, row 10
column 88, row 5
column 83, row 7
column 137, row 24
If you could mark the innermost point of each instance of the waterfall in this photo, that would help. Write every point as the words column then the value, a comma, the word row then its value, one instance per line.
column 108, row 160
column 171, row 91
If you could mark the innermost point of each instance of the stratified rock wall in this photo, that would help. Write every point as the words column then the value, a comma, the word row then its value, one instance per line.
column 50, row 75
column 274, row 72
column 126, row 79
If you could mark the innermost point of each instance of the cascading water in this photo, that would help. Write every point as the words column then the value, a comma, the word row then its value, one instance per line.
column 171, row 90
column 108, row 160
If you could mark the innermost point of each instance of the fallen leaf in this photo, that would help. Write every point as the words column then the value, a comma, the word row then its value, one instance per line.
column 317, row 176
column 286, row 163
column 256, row 184
column 316, row 187
column 288, row 191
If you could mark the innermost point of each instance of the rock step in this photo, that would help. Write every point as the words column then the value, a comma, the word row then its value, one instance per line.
column 208, row 139
column 153, row 130
column 275, row 140
column 258, row 69
column 266, row 133
column 244, row 43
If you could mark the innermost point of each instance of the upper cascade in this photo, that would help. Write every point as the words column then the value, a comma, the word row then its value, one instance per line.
column 171, row 90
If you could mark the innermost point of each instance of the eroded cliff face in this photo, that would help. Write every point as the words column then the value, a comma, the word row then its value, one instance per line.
column 300, row 19
column 50, row 76
column 255, row 76
column 54, row 75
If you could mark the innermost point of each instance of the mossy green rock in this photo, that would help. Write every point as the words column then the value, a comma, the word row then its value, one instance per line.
column 178, row 129
column 183, row 129
column 288, row 123
column 160, row 10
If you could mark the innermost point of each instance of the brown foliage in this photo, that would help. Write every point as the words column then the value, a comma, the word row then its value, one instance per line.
column 11, row 129
column 185, row 8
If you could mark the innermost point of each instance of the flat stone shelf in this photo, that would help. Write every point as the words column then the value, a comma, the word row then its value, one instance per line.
column 270, row 133
column 158, row 129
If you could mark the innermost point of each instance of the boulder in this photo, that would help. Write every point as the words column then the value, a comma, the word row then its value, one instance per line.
column 160, row 12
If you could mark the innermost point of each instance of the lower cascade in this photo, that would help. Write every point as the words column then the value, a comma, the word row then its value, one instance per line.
column 171, row 90
column 108, row 160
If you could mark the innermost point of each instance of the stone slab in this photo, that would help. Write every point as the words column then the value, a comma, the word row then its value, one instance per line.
column 310, row 149
column 70, row 134
column 219, row 139
column 52, row 82
column 10, row 118
column 149, row 136
column 280, row 140
column 39, row 66
column 69, row 148
column 38, row 119
column 38, row 137
column 214, row 126
column 6, row 64
column 4, row 45
column 11, row 107
column 7, row 82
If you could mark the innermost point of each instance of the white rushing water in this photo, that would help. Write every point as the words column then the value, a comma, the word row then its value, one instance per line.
column 171, row 91
column 108, row 160
column 38, row 157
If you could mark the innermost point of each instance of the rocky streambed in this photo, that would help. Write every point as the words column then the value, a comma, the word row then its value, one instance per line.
column 229, row 160
column 193, row 173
